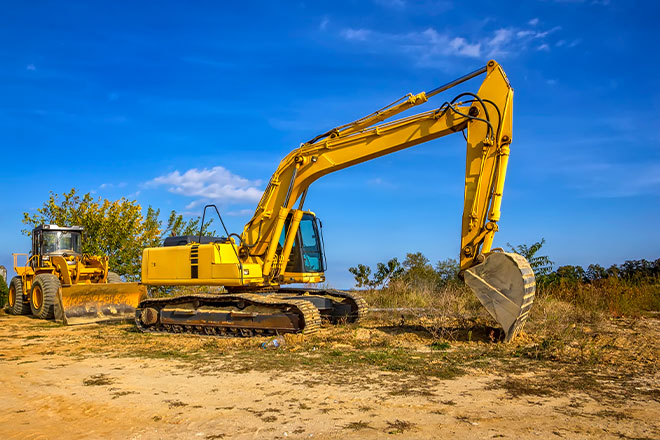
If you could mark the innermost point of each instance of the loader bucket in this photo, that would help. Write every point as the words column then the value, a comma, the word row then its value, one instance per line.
column 505, row 285
column 88, row 303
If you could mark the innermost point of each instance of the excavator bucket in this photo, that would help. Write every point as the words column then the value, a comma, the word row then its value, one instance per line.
column 505, row 285
column 88, row 303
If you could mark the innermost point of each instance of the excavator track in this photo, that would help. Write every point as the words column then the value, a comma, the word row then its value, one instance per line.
column 358, row 306
column 238, row 315
column 264, row 312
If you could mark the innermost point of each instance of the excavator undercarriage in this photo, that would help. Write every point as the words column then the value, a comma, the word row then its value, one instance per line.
column 285, row 310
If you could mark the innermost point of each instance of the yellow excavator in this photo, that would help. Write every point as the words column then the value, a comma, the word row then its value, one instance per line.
column 58, row 282
column 282, row 243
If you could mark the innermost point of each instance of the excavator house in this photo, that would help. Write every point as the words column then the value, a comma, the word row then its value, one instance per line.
column 282, row 243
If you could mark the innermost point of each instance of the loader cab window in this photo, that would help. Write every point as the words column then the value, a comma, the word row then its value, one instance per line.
column 60, row 242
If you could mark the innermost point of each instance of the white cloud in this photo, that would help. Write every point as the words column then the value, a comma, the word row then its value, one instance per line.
column 194, row 204
column 240, row 212
column 502, row 36
column 430, row 46
column 112, row 185
column 543, row 47
column 462, row 47
column 217, row 184
column 499, row 43
column 30, row 67
column 442, row 44
column 324, row 23
column 533, row 22
column 356, row 34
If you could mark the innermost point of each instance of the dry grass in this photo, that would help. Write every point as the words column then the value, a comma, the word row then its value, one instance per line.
column 612, row 296
column 450, row 334
column 98, row 380
column 566, row 317
column 442, row 312
column 399, row 426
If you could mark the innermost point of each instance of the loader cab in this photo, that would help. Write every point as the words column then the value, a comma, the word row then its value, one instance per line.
column 50, row 240
column 307, row 254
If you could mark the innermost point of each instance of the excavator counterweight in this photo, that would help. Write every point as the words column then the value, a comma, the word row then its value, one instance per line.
column 282, row 243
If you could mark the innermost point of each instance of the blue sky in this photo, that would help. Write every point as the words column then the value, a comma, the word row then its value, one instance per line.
column 176, row 104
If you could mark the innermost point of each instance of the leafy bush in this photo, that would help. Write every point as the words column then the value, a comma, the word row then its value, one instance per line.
column 415, row 272
column 4, row 292
column 541, row 264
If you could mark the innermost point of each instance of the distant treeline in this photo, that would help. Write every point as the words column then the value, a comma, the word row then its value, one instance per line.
column 417, row 270
column 631, row 270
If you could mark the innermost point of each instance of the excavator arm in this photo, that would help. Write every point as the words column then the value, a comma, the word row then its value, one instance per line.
column 487, row 118
column 505, row 283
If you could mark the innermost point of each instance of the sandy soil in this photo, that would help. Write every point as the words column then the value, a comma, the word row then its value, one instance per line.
column 57, row 383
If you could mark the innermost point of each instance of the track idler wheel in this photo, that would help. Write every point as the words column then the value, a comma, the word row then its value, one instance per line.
column 149, row 316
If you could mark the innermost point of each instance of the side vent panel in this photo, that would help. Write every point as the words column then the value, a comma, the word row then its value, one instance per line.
column 194, row 261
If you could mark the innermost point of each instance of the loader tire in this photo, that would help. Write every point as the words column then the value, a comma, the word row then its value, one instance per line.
column 114, row 278
column 18, row 304
column 44, row 296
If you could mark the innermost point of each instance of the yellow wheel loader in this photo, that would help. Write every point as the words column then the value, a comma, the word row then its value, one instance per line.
column 58, row 282
column 282, row 244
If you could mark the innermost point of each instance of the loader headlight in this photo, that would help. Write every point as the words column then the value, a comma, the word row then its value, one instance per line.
column 246, row 271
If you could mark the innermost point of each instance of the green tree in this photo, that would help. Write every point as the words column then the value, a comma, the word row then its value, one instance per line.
column 570, row 273
column 596, row 272
column 386, row 272
column 361, row 273
column 118, row 229
column 4, row 288
column 176, row 225
column 447, row 271
column 418, row 270
column 541, row 264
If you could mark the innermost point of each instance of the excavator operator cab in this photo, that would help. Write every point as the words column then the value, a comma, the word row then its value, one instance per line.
column 307, row 253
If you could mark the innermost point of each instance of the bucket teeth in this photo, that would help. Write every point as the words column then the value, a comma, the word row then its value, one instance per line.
column 505, row 285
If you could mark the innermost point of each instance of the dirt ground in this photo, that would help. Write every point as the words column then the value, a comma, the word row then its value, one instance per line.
column 108, row 381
